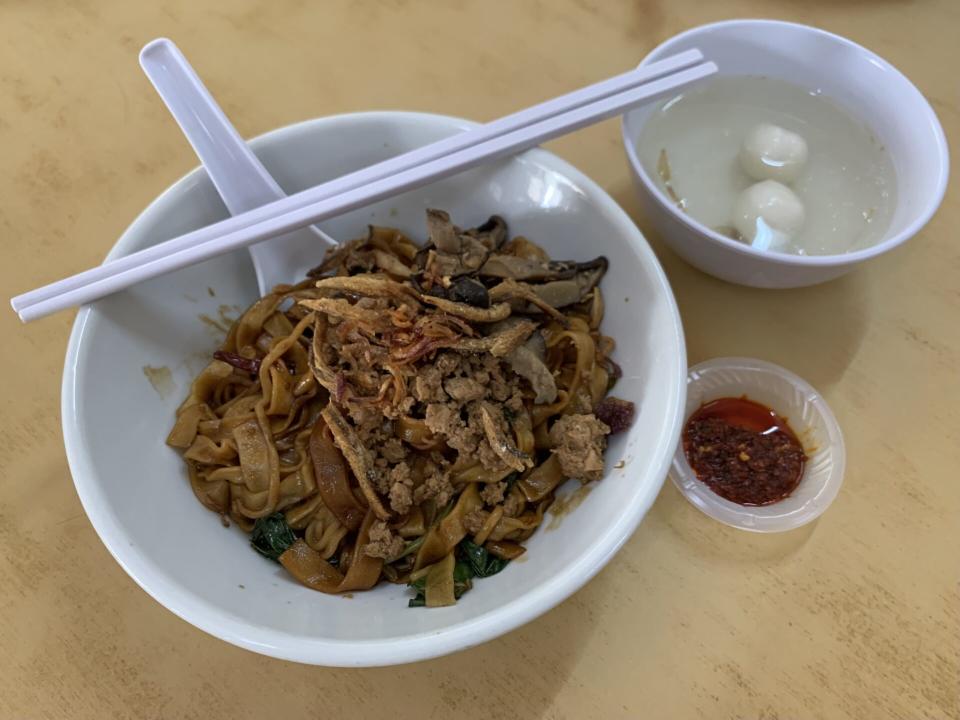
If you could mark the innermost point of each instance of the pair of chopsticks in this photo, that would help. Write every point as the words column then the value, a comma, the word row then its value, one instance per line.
column 499, row 138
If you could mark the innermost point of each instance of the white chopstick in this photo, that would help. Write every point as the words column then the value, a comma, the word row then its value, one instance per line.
column 378, row 171
column 459, row 141
column 348, row 193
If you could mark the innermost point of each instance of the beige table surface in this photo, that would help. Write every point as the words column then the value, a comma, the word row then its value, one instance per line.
column 856, row 616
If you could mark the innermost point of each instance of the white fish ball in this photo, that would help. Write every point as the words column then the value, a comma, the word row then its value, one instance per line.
column 768, row 214
column 770, row 152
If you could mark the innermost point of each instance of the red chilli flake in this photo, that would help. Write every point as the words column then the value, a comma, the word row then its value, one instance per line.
column 250, row 365
column 743, row 451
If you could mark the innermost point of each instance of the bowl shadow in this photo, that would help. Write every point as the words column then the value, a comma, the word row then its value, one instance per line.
column 717, row 544
column 528, row 666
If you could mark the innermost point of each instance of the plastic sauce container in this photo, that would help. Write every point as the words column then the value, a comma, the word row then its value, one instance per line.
column 811, row 419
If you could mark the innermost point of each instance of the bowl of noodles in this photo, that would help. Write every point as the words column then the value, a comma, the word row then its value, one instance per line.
column 376, row 462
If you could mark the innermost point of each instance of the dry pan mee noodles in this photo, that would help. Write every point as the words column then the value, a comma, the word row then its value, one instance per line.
column 406, row 413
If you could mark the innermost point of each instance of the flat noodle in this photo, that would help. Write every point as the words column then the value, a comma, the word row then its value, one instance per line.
column 250, row 325
column 439, row 588
column 299, row 482
column 596, row 309
column 300, row 515
column 384, row 411
column 541, row 413
column 599, row 380
column 260, row 466
column 585, row 360
column 488, row 525
column 275, row 355
column 477, row 473
column 308, row 566
column 441, row 539
column 188, row 420
column 212, row 494
column 504, row 549
column 520, row 528
column 330, row 469
column 208, row 452
column 543, row 480
column 206, row 384
column 324, row 532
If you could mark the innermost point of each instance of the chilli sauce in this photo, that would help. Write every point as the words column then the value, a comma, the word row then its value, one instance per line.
column 743, row 451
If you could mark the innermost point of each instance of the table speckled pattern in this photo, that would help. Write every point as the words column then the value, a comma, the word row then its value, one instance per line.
column 854, row 616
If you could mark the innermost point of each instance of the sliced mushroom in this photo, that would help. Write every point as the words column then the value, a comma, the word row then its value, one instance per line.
column 451, row 253
column 556, row 293
column 516, row 268
column 559, row 293
column 469, row 291
column 589, row 275
column 511, row 290
column 440, row 265
column 473, row 253
column 538, row 344
column 534, row 269
column 521, row 247
column 527, row 362
column 390, row 264
column 442, row 232
column 357, row 456
column 493, row 233
column 336, row 256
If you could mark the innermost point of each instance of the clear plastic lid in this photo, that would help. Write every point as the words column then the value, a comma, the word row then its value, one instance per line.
column 805, row 410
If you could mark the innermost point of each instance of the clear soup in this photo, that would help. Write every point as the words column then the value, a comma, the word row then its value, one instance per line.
column 848, row 185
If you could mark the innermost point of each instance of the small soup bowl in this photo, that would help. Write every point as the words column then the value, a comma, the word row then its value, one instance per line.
column 864, row 85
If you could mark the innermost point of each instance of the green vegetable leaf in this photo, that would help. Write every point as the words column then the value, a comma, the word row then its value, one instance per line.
column 271, row 536
column 481, row 563
column 473, row 561
column 421, row 587
column 462, row 574
column 411, row 547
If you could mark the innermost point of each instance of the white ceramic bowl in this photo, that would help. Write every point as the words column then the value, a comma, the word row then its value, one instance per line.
column 135, row 490
column 807, row 413
column 866, row 86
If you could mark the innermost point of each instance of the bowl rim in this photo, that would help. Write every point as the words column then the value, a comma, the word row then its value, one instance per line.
column 837, row 260
column 420, row 646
